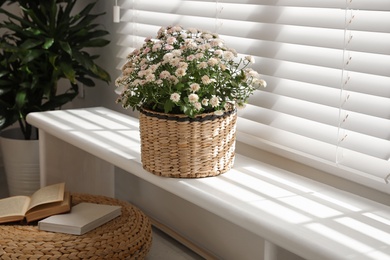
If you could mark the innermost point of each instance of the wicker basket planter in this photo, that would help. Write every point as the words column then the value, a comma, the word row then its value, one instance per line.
column 174, row 145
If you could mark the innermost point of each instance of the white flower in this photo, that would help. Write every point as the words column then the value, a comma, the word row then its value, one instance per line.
column 194, row 87
column 250, row 59
column 205, row 102
column 218, row 112
column 171, row 40
column 141, row 74
column 176, row 53
column 177, row 28
column 192, row 45
column 156, row 47
column 228, row 55
column 202, row 65
column 173, row 79
column 197, row 105
column 251, row 73
column 206, row 46
column 193, row 98
column 175, row 97
column 212, row 62
column 199, row 55
column 165, row 74
column 183, row 65
column 191, row 57
column 167, row 57
column 146, row 50
column 222, row 66
column 214, row 101
column 233, row 51
column 263, row 83
column 159, row 82
column 150, row 77
column 193, row 30
column 119, row 89
column 154, row 67
column 260, row 83
column 136, row 82
column 180, row 72
column 174, row 62
column 207, row 36
column 218, row 53
column 169, row 47
column 216, row 43
column 206, row 80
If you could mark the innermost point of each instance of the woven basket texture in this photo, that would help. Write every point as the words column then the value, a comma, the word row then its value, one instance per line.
column 174, row 145
column 128, row 236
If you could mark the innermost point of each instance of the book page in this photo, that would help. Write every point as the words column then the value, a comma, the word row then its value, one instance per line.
column 51, row 193
column 14, row 206
column 48, row 209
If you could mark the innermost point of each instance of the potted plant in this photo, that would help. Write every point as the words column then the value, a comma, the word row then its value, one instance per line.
column 46, row 42
column 186, row 75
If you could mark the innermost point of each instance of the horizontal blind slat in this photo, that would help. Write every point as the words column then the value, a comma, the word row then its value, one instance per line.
column 252, row 133
column 372, row 5
column 319, row 68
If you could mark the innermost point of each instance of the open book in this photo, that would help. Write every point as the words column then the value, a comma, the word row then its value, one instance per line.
column 47, row 201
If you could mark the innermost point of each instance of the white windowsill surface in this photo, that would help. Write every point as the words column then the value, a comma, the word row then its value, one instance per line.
column 308, row 218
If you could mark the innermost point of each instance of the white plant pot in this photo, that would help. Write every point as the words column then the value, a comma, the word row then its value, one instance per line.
column 21, row 162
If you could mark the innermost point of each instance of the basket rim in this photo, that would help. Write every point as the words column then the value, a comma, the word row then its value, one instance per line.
column 184, row 118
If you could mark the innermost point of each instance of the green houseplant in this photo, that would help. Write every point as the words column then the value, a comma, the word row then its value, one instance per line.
column 187, row 83
column 46, row 42
column 43, row 48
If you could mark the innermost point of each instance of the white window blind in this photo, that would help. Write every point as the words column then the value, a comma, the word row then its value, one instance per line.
column 327, row 65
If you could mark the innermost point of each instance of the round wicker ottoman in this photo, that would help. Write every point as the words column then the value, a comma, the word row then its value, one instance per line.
column 128, row 236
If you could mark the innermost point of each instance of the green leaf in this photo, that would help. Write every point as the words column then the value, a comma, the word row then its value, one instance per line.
column 68, row 71
column 52, row 13
column 87, row 9
column 35, row 19
column 52, row 60
column 31, row 43
column 168, row 106
column 4, row 73
column 86, row 81
column 97, row 33
column 83, row 59
column 96, row 43
column 66, row 47
column 6, row 89
column 48, row 43
column 21, row 97
column 34, row 31
column 31, row 55
column 101, row 73
column 84, row 22
column 68, row 9
column 59, row 101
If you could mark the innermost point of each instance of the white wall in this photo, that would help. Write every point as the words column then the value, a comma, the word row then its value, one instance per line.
column 103, row 94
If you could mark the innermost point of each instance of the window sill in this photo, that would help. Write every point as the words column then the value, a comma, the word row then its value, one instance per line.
column 304, row 216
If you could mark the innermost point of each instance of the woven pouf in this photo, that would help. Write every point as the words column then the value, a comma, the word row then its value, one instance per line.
column 128, row 236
